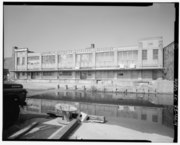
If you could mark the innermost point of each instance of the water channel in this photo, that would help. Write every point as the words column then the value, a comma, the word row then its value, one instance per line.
column 151, row 108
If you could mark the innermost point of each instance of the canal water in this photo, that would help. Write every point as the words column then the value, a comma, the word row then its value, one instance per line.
column 150, row 108
column 108, row 97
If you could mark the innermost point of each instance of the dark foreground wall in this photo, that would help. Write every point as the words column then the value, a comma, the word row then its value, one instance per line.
column 168, row 62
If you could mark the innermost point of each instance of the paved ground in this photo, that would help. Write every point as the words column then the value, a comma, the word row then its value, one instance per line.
column 111, row 131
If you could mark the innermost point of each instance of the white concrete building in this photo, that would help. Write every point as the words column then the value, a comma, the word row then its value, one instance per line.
column 141, row 62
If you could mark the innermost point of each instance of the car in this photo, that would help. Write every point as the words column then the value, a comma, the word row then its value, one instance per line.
column 14, row 97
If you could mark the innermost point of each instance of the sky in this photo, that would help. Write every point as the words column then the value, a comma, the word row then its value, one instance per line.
column 55, row 28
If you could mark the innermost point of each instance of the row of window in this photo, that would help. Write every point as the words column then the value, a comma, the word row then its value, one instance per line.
column 20, row 62
column 48, row 59
column 65, row 58
column 101, row 75
column 128, row 55
column 100, row 57
column 155, row 54
column 154, row 117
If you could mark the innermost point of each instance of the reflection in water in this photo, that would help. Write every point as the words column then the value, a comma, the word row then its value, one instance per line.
column 139, row 106
column 103, row 98
column 149, row 114
column 108, row 97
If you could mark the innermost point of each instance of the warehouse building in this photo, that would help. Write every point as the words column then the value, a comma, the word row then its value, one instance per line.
column 91, row 65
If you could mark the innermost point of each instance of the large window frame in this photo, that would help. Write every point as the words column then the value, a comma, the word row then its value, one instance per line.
column 18, row 60
column 144, row 54
column 155, row 54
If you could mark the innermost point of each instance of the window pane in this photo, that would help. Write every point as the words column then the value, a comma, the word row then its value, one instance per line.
column 154, row 118
column 49, row 59
column 135, row 55
column 23, row 60
column 144, row 54
column 155, row 53
column 129, row 55
column 125, row 55
column 120, row 55
column 143, row 116
column 18, row 61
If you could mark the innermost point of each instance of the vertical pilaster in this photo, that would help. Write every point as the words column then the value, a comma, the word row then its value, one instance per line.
column 160, row 115
column 115, row 58
column 56, row 61
column 15, row 60
column 160, row 54
column 94, row 59
column 74, row 59
column 150, row 56
column 138, row 113
column 94, row 75
column 26, row 60
column 140, row 45
column 139, row 74
column 115, row 75
column 74, row 75
column 41, row 73
column 26, row 63
column 40, row 61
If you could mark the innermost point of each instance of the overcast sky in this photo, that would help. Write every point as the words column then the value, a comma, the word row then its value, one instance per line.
column 52, row 28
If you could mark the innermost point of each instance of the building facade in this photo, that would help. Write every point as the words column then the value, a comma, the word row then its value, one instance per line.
column 141, row 62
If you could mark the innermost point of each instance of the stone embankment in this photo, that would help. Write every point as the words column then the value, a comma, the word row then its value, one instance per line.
column 158, row 86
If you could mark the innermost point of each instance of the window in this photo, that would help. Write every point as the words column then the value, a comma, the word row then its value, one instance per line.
column 150, row 44
column 154, row 118
column 154, row 75
column 129, row 55
column 33, row 58
column 65, row 73
column 120, row 74
column 23, row 73
column 48, row 59
column 63, row 58
column 155, row 54
column 135, row 54
column 120, row 55
column 23, row 61
column 83, row 75
column 110, row 74
column 124, row 54
column 47, row 74
column 18, row 60
column 143, row 116
column 144, row 54
column 89, row 74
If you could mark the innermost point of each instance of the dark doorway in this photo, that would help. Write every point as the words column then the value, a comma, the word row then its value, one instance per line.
column 83, row 75
column 154, row 75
